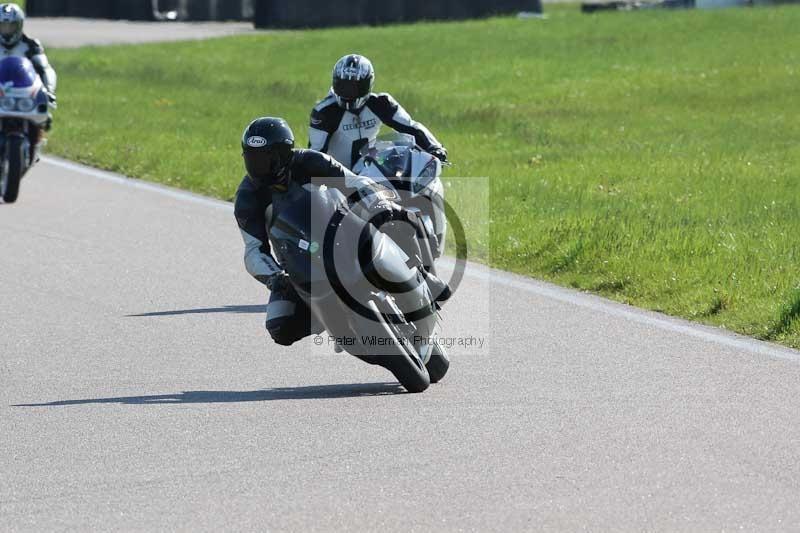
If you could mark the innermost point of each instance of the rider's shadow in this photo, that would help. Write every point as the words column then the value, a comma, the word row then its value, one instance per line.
column 315, row 392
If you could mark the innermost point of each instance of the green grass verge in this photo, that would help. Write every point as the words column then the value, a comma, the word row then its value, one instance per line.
column 651, row 157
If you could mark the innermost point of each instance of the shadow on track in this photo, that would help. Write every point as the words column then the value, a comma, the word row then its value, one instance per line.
column 316, row 392
column 208, row 310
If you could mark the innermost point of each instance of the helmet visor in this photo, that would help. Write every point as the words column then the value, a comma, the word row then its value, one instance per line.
column 267, row 165
column 9, row 29
column 351, row 89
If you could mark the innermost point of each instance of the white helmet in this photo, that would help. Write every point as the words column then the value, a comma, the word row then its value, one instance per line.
column 353, row 77
column 11, row 20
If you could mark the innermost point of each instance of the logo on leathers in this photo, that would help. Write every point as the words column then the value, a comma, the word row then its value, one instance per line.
column 357, row 125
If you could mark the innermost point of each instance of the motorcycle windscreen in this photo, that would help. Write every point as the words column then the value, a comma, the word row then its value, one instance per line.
column 17, row 72
column 385, row 141
column 394, row 162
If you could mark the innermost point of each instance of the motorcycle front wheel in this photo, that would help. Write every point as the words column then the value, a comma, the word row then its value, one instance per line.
column 406, row 366
column 438, row 364
column 13, row 168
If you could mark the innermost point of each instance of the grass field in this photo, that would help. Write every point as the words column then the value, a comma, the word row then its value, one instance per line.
column 651, row 156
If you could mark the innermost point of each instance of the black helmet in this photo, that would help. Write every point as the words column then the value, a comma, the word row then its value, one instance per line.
column 11, row 20
column 353, row 78
column 267, row 144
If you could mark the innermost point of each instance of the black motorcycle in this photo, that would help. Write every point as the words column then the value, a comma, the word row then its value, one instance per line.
column 361, row 288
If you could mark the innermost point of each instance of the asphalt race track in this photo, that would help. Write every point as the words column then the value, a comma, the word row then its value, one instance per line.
column 72, row 32
column 138, row 391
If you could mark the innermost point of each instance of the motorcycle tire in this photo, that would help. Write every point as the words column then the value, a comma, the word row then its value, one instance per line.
column 15, row 167
column 408, row 368
column 438, row 364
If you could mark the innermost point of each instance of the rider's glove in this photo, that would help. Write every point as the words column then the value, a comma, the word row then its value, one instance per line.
column 51, row 97
column 278, row 282
column 439, row 152
column 385, row 211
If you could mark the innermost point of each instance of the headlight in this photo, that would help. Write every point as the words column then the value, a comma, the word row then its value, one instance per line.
column 25, row 104
column 8, row 103
column 430, row 169
column 425, row 178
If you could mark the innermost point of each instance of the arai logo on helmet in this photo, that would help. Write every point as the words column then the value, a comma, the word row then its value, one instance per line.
column 256, row 141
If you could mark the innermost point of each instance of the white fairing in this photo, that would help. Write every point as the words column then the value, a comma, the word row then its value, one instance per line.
column 360, row 182
column 26, row 92
column 370, row 171
column 424, row 195
column 419, row 160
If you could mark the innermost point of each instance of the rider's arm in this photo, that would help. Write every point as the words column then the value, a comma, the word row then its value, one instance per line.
column 324, row 121
column 393, row 115
column 42, row 66
column 249, row 208
column 322, row 169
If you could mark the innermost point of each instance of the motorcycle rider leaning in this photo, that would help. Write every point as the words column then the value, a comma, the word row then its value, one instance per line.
column 350, row 116
column 272, row 163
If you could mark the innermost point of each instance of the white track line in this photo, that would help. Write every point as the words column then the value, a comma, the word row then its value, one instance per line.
column 483, row 273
